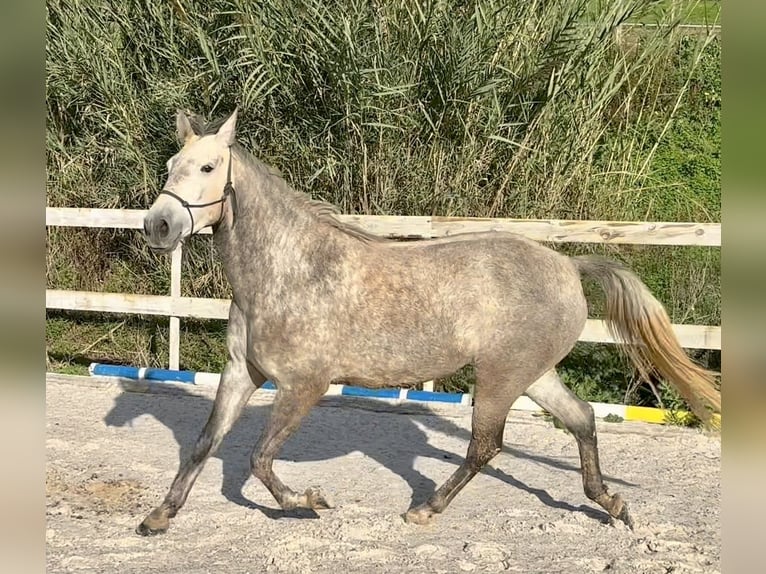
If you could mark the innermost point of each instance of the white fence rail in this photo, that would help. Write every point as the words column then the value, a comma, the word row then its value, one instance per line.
column 176, row 307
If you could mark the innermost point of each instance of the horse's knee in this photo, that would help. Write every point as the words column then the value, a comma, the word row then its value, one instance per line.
column 202, row 448
column 481, row 454
column 582, row 422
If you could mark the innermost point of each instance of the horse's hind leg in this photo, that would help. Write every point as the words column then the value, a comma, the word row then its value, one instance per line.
column 577, row 416
column 291, row 405
column 495, row 393
column 238, row 382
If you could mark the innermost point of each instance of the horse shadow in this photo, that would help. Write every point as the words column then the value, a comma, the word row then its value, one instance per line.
column 185, row 420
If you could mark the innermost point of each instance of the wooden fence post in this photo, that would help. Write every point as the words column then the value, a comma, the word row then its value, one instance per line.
column 174, row 337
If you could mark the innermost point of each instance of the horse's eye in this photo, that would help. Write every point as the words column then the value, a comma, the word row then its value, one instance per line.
column 207, row 168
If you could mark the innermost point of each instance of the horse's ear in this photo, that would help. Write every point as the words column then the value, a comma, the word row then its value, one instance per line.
column 227, row 133
column 184, row 130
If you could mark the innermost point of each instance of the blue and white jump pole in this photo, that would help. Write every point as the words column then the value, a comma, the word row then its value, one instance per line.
column 212, row 379
column 523, row 403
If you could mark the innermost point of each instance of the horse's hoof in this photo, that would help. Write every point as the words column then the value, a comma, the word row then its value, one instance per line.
column 155, row 523
column 625, row 516
column 145, row 530
column 316, row 500
column 420, row 515
column 621, row 512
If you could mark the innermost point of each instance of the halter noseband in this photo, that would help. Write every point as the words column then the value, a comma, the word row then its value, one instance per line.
column 228, row 191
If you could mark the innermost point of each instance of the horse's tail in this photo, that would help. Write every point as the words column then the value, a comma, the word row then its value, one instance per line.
column 639, row 321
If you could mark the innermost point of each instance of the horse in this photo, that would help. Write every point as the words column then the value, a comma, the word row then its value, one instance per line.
column 318, row 301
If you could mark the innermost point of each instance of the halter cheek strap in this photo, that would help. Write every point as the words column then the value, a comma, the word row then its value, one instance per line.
column 228, row 191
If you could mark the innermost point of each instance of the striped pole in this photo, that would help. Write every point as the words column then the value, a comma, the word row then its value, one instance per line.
column 212, row 379
column 523, row 403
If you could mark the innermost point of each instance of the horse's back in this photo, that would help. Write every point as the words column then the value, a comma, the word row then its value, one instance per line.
column 491, row 288
column 499, row 266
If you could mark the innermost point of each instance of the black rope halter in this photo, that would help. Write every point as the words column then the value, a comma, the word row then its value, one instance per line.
column 228, row 191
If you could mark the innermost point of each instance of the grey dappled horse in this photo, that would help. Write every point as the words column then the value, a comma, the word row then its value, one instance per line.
column 317, row 301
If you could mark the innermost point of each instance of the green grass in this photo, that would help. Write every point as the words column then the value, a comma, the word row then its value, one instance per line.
column 702, row 12
column 699, row 12
column 75, row 340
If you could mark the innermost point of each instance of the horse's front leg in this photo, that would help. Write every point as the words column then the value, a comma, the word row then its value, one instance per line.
column 291, row 405
column 238, row 382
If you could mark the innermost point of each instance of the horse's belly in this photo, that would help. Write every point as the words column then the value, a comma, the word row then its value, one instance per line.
column 395, row 365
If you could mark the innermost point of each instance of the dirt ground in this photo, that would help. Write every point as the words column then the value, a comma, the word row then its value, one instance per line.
column 113, row 449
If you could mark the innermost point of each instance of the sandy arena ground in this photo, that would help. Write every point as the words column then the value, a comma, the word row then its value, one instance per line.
column 112, row 453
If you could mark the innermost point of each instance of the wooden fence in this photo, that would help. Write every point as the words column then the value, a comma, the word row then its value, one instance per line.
column 559, row 231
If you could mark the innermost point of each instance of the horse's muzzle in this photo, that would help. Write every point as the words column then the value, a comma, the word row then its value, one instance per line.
column 162, row 230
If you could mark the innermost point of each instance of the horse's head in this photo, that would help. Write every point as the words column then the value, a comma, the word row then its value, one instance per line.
column 198, row 187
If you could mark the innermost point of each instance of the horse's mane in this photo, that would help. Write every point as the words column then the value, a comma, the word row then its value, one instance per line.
column 322, row 210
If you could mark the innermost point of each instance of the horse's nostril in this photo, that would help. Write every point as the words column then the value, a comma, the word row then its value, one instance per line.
column 163, row 228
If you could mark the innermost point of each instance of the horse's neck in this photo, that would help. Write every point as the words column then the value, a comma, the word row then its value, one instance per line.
column 275, row 238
